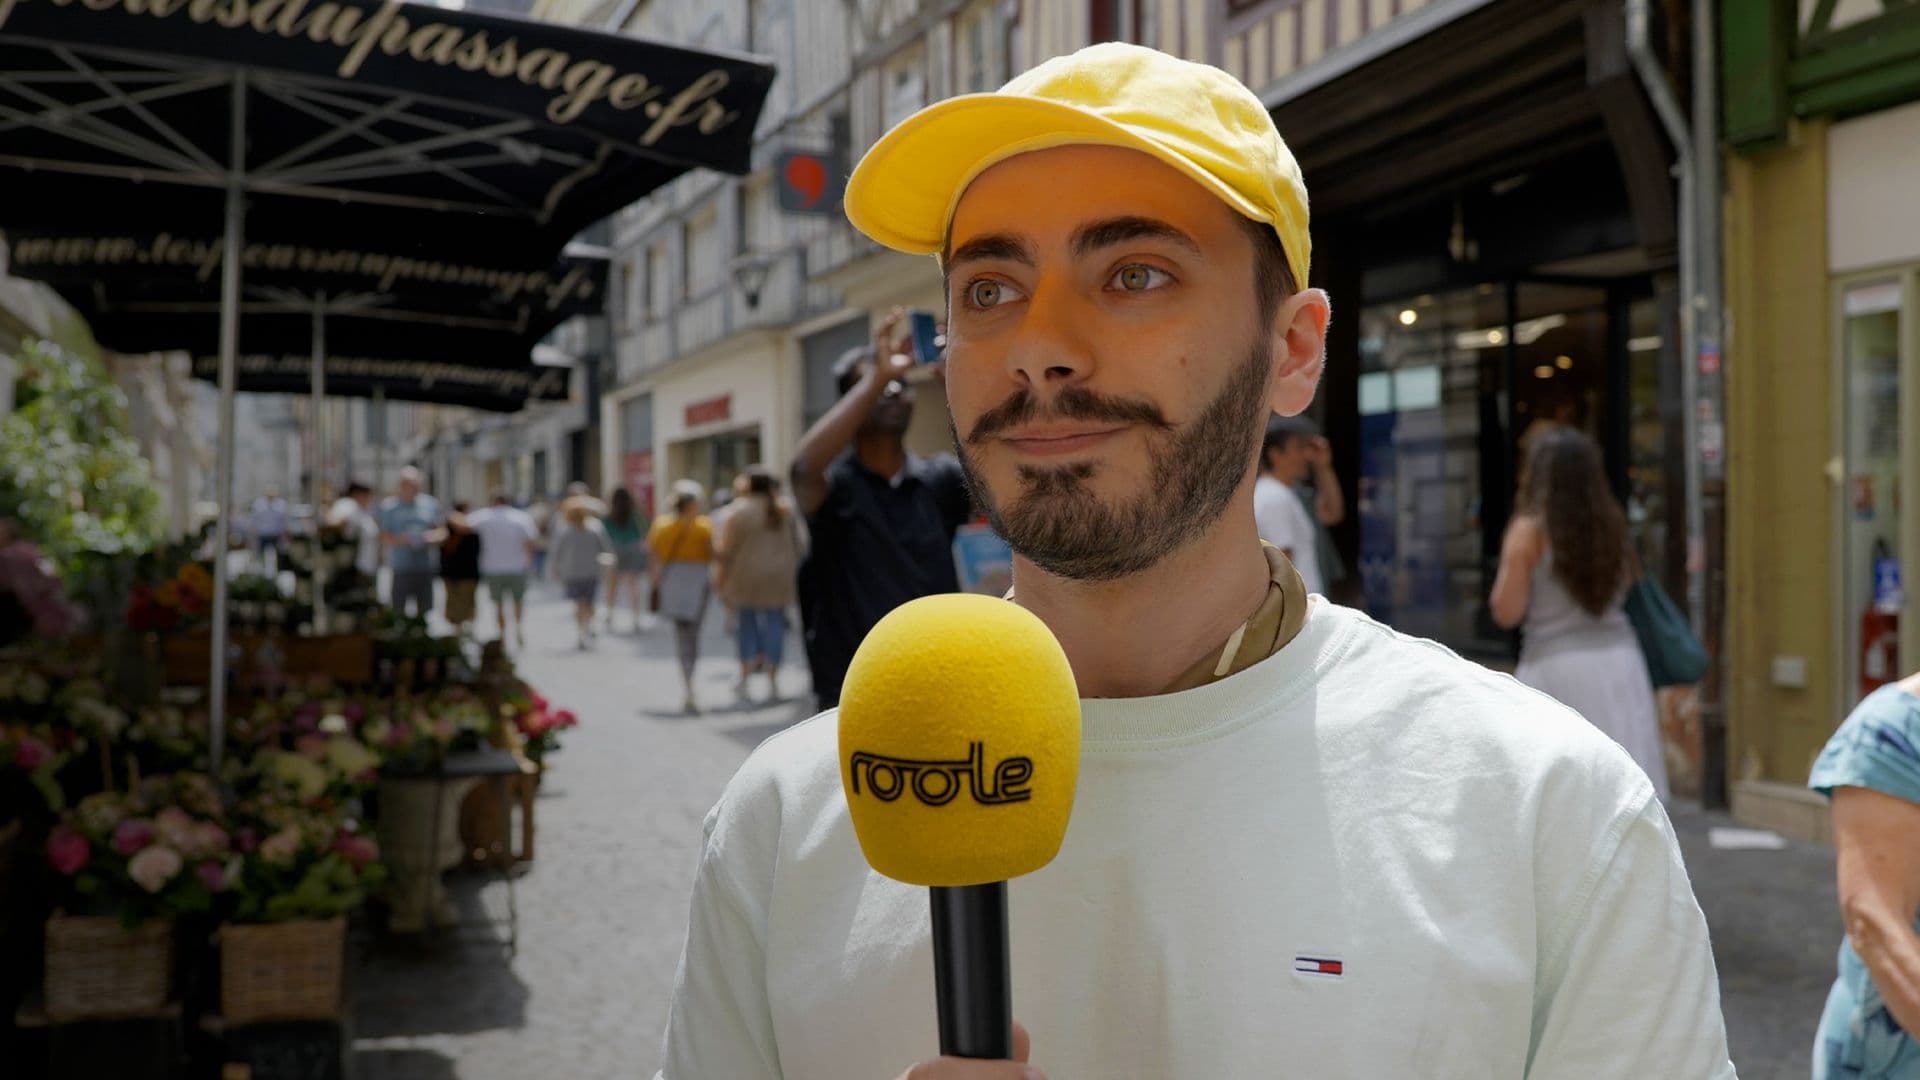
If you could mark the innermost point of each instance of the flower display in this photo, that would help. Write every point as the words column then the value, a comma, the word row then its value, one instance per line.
column 128, row 854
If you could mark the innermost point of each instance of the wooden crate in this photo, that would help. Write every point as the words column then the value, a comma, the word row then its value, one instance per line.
column 343, row 658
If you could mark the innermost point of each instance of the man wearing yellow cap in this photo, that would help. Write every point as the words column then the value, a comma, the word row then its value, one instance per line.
column 1301, row 845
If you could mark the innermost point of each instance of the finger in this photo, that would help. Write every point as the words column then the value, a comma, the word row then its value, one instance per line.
column 1022, row 1042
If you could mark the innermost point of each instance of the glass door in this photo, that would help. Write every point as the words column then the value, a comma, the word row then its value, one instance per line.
column 1875, row 393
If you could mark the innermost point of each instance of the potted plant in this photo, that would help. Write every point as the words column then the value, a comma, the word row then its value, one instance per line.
column 299, row 873
column 131, row 864
column 419, row 818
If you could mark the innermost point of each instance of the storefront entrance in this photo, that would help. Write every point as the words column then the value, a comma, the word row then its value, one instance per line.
column 714, row 461
column 1449, row 384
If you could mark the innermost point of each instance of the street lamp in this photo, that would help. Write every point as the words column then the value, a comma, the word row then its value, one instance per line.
column 750, row 272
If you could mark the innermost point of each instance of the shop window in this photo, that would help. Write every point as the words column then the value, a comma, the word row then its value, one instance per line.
column 903, row 87
column 1870, row 358
column 703, row 248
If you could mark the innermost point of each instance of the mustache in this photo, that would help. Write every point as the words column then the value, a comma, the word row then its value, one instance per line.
column 1073, row 403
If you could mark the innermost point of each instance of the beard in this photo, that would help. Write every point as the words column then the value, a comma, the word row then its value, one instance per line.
column 1060, row 525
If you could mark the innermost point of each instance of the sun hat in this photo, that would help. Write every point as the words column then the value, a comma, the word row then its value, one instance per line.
column 1196, row 118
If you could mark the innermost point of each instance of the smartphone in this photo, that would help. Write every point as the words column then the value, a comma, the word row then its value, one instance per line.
column 926, row 349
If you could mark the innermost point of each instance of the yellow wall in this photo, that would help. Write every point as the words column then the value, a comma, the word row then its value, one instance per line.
column 1779, row 501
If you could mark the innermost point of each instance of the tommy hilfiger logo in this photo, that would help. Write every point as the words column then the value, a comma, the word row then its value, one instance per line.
column 935, row 783
column 1322, row 967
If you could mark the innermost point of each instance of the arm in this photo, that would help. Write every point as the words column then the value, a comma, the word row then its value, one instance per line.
column 1513, row 585
column 1600, row 1013
column 831, row 433
column 1329, row 502
column 1879, row 872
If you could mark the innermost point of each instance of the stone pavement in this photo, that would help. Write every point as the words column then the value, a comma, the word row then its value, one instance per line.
column 603, row 908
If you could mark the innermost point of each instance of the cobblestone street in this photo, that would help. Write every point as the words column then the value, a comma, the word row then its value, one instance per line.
column 603, row 907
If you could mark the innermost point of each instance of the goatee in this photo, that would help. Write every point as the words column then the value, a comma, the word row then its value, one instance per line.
column 1060, row 525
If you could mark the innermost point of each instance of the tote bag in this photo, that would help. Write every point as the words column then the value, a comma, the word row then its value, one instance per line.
column 1674, row 656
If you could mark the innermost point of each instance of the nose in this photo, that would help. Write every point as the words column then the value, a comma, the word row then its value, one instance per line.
column 1051, row 349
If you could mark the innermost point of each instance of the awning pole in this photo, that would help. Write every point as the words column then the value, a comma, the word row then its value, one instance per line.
column 318, row 466
column 223, row 481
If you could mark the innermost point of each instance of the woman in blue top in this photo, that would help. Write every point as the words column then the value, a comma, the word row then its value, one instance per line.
column 1870, row 769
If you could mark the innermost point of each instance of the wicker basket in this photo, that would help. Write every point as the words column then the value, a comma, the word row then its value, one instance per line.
column 282, row 971
column 98, row 968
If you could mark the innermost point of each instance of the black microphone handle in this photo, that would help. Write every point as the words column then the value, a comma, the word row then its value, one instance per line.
column 970, row 979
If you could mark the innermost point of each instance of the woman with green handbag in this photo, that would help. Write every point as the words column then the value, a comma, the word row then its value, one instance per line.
column 1565, row 569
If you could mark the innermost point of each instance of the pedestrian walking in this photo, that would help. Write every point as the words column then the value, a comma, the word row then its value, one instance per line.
column 1870, row 769
column 1283, row 518
column 405, row 520
column 1294, row 831
column 541, row 511
column 507, row 539
column 1565, row 565
column 267, row 523
column 352, row 514
column 759, row 553
column 459, row 568
column 682, row 546
column 881, row 519
column 628, row 535
column 579, row 555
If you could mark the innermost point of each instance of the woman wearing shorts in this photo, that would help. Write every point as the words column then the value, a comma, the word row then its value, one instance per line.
column 577, row 558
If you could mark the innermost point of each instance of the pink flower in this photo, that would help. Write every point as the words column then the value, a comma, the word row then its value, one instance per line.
column 175, row 827
column 154, row 866
column 354, row 712
column 131, row 835
column 32, row 754
column 359, row 850
column 565, row 718
column 246, row 839
column 68, row 851
column 213, row 876
column 207, row 839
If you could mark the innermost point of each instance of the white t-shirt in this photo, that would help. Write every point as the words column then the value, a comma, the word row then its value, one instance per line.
column 1500, row 890
column 505, row 532
column 347, row 513
column 1283, row 522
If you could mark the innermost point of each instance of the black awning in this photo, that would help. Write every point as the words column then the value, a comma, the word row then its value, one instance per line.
column 439, row 114
column 494, row 388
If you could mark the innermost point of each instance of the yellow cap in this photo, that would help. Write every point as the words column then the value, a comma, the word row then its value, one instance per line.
column 1194, row 117
column 959, row 742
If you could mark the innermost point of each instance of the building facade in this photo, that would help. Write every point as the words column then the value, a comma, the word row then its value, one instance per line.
column 1822, row 105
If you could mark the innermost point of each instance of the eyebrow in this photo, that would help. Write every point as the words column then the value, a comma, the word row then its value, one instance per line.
column 1086, row 240
column 1094, row 236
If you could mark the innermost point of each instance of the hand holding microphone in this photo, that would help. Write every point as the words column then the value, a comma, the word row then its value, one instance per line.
column 959, row 749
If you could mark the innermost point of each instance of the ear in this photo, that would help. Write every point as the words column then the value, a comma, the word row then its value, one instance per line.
column 1299, row 350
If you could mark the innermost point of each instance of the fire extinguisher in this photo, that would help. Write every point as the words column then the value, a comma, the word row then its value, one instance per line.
column 1880, row 624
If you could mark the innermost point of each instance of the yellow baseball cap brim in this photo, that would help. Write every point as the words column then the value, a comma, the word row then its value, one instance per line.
column 903, row 192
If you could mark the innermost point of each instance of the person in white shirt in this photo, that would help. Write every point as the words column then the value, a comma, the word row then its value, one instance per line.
column 353, row 513
column 1301, row 844
column 507, row 539
column 1279, row 515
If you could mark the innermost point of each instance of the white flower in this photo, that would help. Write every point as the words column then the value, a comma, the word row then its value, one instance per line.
column 333, row 724
column 153, row 866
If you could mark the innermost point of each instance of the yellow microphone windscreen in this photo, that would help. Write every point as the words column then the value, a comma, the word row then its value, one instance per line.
column 959, row 741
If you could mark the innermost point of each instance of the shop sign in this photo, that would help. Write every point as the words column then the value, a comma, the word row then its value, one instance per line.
column 710, row 411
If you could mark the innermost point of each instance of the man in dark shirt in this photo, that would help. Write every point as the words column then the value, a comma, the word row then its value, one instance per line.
column 882, row 520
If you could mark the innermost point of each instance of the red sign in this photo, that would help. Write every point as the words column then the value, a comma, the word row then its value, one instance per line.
column 710, row 411
column 639, row 480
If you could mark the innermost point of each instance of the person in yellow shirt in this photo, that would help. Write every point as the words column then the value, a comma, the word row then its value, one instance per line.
column 682, row 547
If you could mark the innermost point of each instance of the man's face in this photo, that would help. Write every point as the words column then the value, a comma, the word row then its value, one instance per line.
column 892, row 414
column 1291, row 461
column 407, row 488
column 1106, row 368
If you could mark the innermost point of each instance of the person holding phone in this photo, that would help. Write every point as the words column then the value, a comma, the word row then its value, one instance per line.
column 882, row 520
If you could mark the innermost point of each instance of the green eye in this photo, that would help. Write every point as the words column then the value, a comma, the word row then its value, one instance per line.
column 984, row 293
column 1139, row 278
